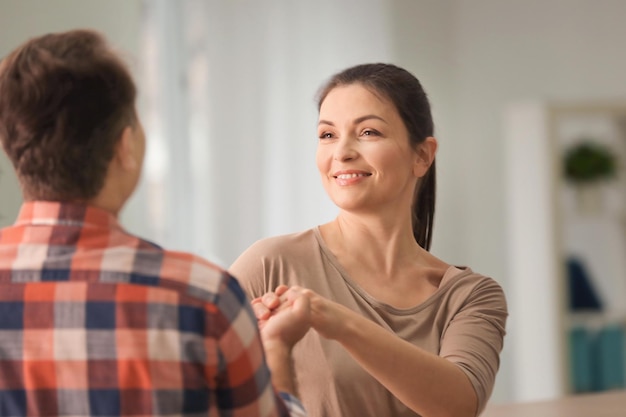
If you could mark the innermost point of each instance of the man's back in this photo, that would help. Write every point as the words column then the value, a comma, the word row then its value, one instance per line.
column 94, row 321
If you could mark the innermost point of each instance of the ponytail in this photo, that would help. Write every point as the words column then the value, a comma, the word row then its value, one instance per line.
column 424, row 208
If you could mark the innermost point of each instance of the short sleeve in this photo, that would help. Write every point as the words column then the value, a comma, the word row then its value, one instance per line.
column 474, row 337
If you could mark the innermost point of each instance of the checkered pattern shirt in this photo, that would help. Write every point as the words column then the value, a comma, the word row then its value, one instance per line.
column 97, row 322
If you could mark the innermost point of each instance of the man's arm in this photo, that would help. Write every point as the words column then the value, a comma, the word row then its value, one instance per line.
column 259, row 362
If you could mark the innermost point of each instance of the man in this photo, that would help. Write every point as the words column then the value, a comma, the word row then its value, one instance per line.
column 95, row 321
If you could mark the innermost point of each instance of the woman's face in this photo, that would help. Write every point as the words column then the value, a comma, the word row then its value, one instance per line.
column 364, row 156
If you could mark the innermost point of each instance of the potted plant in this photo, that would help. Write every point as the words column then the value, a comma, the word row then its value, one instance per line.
column 587, row 165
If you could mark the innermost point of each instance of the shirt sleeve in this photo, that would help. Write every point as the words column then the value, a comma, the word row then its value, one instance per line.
column 243, row 380
column 293, row 405
column 474, row 338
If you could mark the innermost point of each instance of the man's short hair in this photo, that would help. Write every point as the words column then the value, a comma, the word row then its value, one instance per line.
column 65, row 99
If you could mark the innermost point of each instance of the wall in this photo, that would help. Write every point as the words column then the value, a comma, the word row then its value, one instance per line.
column 424, row 43
column 512, row 51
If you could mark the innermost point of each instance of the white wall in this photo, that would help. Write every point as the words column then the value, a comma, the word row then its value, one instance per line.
column 22, row 19
column 507, row 52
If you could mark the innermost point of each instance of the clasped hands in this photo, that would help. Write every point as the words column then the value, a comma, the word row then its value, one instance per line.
column 287, row 313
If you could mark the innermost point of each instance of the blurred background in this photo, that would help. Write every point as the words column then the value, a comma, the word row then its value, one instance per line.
column 529, row 101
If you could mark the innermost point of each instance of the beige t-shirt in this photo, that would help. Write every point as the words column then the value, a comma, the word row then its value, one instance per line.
column 464, row 322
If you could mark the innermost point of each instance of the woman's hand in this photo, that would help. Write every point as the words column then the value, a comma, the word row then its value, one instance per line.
column 327, row 317
column 264, row 305
column 284, row 317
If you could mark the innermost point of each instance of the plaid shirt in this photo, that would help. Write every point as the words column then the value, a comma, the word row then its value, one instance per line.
column 97, row 322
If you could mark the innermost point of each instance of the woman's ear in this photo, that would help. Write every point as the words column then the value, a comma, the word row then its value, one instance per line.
column 425, row 155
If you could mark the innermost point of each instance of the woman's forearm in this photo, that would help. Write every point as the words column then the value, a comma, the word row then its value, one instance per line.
column 430, row 385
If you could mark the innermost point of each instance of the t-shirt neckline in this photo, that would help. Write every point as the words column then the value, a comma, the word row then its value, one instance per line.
column 452, row 274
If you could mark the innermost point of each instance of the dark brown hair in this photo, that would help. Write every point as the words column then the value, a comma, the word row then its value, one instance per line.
column 406, row 93
column 65, row 99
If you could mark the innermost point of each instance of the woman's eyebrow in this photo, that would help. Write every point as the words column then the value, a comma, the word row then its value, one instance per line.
column 367, row 117
column 356, row 121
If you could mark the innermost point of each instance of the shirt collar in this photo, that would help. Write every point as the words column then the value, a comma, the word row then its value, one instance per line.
column 64, row 213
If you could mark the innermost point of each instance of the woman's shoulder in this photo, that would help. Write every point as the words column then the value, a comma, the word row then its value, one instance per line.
column 286, row 243
column 274, row 260
column 468, row 285
column 281, row 248
column 466, row 276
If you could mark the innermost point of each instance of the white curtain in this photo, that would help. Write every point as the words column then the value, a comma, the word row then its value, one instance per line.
column 227, row 102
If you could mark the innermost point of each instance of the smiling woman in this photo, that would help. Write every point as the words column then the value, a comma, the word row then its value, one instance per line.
column 398, row 331
column 364, row 142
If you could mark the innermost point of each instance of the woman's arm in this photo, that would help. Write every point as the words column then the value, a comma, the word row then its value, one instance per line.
column 427, row 384
column 430, row 385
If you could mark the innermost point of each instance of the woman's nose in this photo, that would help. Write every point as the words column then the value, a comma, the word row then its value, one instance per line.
column 345, row 149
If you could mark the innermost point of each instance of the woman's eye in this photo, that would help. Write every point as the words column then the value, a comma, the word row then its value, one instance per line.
column 326, row 135
column 370, row 132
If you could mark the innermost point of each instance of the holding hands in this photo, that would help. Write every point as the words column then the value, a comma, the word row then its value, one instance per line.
column 324, row 315
column 284, row 316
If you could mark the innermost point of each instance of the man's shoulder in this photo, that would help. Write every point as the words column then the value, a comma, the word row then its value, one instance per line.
column 195, row 271
column 187, row 273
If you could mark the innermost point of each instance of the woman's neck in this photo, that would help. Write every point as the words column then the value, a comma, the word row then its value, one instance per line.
column 382, row 245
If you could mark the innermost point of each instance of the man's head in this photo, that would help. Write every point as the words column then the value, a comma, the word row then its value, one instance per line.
column 66, row 103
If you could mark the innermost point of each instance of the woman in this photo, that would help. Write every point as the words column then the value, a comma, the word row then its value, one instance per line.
column 399, row 332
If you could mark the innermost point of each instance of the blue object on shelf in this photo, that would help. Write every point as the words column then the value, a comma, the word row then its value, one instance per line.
column 610, row 355
column 582, row 295
column 584, row 373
